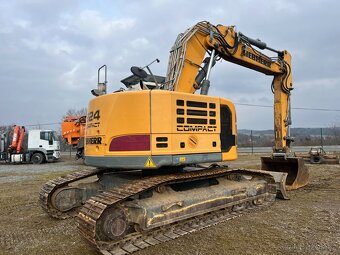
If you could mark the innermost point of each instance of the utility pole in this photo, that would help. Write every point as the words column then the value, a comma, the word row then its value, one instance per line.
column 252, row 142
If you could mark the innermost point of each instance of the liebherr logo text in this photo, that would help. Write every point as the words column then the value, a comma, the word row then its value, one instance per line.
column 197, row 128
column 260, row 59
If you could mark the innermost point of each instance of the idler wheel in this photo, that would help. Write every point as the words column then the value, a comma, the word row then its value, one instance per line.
column 113, row 224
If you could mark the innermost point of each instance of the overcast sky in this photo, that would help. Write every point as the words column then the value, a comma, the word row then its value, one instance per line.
column 50, row 52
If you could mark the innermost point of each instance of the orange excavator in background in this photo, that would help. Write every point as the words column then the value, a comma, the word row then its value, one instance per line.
column 73, row 131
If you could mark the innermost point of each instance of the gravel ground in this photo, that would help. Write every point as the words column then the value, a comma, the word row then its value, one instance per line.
column 309, row 223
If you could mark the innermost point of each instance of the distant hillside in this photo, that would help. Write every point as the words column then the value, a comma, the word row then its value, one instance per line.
column 296, row 131
column 302, row 136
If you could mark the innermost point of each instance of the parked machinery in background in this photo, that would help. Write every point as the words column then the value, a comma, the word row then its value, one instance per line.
column 73, row 131
column 317, row 155
column 36, row 147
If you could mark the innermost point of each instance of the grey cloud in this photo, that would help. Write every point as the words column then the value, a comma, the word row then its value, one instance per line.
column 50, row 51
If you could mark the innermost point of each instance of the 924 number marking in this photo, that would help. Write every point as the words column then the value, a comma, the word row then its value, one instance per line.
column 93, row 140
column 93, row 115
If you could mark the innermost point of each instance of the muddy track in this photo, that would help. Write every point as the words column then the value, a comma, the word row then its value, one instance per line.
column 52, row 185
column 137, row 243
column 90, row 214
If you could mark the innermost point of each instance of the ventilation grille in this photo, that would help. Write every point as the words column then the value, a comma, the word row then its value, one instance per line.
column 162, row 142
column 196, row 116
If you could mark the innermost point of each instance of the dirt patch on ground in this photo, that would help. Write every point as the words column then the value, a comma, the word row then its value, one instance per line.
column 309, row 223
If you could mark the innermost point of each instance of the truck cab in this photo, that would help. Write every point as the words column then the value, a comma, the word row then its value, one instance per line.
column 46, row 143
column 36, row 146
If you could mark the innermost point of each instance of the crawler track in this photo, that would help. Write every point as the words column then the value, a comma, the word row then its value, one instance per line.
column 52, row 185
column 90, row 214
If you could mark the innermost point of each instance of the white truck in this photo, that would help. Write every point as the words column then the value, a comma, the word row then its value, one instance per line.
column 38, row 146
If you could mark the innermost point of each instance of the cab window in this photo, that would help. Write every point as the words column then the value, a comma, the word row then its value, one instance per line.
column 44, row 135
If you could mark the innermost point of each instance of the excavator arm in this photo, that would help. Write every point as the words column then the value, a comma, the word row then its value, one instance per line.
column 189, row 70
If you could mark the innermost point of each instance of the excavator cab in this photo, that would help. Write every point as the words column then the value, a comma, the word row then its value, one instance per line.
column 298, row 173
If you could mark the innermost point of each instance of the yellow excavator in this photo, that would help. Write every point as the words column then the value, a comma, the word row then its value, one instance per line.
column 156, row 144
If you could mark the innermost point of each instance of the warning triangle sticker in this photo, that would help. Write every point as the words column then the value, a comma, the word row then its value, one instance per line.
column 149, row 163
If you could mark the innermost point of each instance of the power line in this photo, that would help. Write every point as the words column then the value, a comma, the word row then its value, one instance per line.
column 295, row 108
column 255, row 105
column 35, row 125
column 44, row 124
column 316, row 109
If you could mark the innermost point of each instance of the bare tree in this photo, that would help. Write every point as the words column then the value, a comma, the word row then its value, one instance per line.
column 5, row 129
column 76, row 112
column 335, row 132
